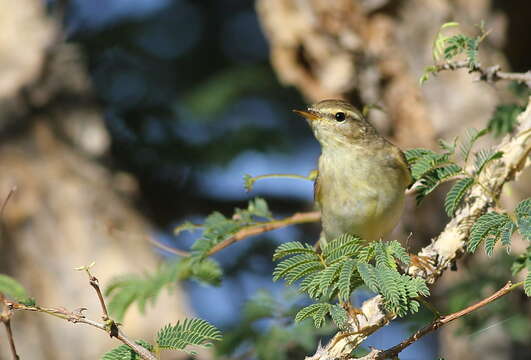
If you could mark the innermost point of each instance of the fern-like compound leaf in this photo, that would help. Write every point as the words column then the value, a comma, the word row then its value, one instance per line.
column 527, row 281
column 483, row 157
column 504, row 119
column 397, row 250
column 343, row 247
column 523, row 218
column 472, row 135
column 456, row 194
column 368, row 275
column 490, row 228
column 290, row 268
column 434, row 178
column 292, row 248
column 339, row 316
column 124, row 352
column 345, row 280
column 189, row 332
column 316, row 311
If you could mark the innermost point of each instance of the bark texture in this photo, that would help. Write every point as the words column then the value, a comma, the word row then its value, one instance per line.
column 68, row 210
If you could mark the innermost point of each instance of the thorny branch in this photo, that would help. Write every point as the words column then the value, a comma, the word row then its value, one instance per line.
column 449, row 245
column 395, row 350
column 490, row 74
column 77, row 316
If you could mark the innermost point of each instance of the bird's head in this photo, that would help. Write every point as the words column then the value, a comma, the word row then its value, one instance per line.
column 336, row 123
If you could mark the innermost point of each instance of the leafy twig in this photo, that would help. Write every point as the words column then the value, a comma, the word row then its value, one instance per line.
column 395, row 350
column 490, row 74
column 449, row 245
column 298, row 218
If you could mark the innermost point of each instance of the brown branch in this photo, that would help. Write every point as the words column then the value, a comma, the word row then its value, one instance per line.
column 490, row 74
column 395, row 350
column 6, row 200
column 11, row 340
column 78, row 317
column 450, row 243
column 248, row 231
column 298, row 218
column 5, row 318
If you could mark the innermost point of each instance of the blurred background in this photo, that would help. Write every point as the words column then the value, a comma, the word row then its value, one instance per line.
column 120, row 119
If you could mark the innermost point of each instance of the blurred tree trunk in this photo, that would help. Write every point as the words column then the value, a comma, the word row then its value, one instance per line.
column 68, row 209
column 373, row 52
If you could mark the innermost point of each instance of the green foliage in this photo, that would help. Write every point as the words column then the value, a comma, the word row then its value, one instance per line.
column 343, row 265
column 456, row 194
column 124, row 352
column 126, row 290
column 316, row 311
column 471, row 136
column 218, row 228
column 447, row 48
column 189, row 332
column 503, row 121
column 483, row 157
column 494, row 226
column 523, row 218
column 13, row 289
column 490, row 228
column 280, row 338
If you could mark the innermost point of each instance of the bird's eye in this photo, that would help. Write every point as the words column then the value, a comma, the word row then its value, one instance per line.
column 340, row 116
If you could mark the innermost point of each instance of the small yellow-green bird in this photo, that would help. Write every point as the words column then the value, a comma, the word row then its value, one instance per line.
column 362, row 177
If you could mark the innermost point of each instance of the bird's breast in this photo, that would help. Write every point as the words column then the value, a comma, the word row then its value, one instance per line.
column 359, row 194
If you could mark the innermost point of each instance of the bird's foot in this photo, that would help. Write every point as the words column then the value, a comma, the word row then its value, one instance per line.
column 422, row 262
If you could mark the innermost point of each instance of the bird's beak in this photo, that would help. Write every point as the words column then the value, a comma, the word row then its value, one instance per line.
column 308, row 114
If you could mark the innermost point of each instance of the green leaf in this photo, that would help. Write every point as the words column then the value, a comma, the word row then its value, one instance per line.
column 523, row 218
column 434, row 178
column 316, row 311
column 289, row 268
column 456, row 194
column 189, row 332
column 339, row 316
column 368, row 275
column 471, row 136
column 490, row 228
column 345, row 246
column 13, row 289
column 485, row 156
column 124, row 352
column 504, row 119
column 292, row 248
column 527, row 282
column 345, row 280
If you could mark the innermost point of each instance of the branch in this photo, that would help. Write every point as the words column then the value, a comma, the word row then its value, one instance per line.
column 395, row 350
column 259, row 228
column 5, row 318
column 109, row 325
column 298, row 218
column 490, row 74
column 449, row 245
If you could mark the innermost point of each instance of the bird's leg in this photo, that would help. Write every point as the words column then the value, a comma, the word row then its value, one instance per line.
column 353, row 313
column 422, row 262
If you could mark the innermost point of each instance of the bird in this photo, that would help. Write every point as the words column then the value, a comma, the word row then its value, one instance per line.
column 362, row 177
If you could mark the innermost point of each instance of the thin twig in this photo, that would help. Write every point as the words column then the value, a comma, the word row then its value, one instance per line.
column 11, row 192
column 490, row 74
column 11, row 340
column 395, row 350
column 260, row 228
column 78, row 317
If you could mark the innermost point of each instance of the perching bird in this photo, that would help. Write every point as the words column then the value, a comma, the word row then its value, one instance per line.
column 362, row 176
